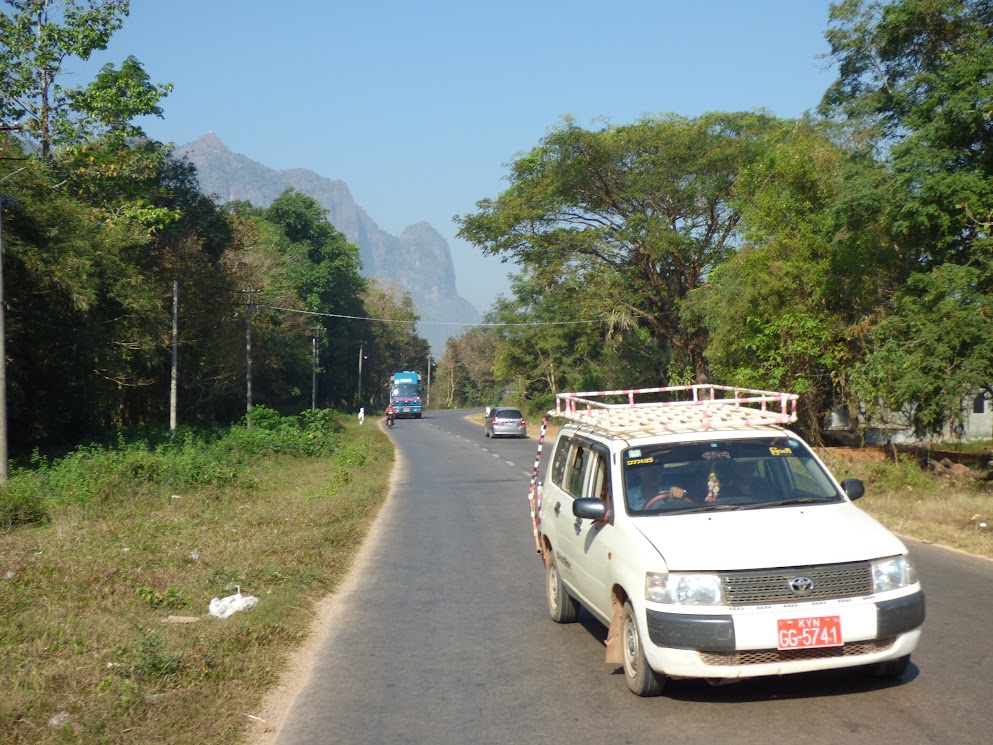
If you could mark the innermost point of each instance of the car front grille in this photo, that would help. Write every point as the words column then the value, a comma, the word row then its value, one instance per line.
column 773, row 656
column 771, row 586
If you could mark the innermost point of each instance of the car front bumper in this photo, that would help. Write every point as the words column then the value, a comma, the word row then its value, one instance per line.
column 743, row 643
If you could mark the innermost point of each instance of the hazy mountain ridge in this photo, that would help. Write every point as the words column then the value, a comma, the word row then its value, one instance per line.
column 418, row 261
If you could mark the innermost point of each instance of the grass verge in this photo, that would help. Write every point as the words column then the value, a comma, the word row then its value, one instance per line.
column 104, row 632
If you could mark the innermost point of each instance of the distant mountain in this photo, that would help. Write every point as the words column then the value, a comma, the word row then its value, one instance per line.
column 418, row 261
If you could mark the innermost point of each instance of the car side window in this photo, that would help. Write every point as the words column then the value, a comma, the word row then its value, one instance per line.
column 600, row 481
column 576, row 469
column 559, row 461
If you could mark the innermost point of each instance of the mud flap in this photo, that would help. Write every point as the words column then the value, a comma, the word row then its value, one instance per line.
column 614, row 655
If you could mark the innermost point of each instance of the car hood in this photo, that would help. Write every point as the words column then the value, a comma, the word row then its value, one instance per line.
column 766, row 538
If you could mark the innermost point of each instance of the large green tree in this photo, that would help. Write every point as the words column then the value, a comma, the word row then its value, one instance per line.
column 632, row 215
column 789, row 310
column 932, row 354
column 914, row 87
column 37, row 37
column 914, row 82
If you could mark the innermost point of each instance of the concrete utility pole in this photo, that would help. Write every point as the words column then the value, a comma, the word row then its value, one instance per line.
column 361, row 356
column 174, row 382
column 427, row 393
column 248, row 352
column 4, row 464
column 315, row 336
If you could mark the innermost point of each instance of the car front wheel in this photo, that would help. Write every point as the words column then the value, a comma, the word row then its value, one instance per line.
column 641, row 679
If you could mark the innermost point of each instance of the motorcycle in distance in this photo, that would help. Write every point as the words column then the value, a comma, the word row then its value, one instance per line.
column 390, row 416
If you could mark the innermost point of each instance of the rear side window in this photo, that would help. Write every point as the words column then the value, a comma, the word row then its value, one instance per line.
column 558, row 462
column 570, row 463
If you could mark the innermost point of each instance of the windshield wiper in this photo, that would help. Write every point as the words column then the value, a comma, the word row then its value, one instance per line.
column 708, row 508
column 795, row 500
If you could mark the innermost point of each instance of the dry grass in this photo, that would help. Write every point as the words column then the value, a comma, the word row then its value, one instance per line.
column 85, row 601
column 957, row 513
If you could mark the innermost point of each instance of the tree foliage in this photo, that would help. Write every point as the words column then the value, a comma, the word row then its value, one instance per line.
column 914, row 80
column 37, row 37
column 933, row 353
column 648, row 206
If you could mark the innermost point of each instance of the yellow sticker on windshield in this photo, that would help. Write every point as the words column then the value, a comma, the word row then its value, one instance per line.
column 781, row 451
column 640, row 461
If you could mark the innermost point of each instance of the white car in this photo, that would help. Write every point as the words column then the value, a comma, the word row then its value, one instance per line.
column 713, row 543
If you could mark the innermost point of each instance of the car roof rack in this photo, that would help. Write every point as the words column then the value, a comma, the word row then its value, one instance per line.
column 687, row 408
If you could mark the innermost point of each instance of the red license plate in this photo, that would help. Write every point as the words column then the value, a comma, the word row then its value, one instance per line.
column 810, row 633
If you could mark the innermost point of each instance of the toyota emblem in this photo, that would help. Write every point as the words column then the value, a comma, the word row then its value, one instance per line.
column 801, row 585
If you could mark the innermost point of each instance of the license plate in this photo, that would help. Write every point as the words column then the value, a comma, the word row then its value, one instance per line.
column 810, row 633
column 406, row 409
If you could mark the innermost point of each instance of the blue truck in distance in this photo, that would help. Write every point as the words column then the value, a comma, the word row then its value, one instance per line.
column 405, row 394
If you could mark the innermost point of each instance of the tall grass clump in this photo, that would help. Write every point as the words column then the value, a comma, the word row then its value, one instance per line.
column 129, row 469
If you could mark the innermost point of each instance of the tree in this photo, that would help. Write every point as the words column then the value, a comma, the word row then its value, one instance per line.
column 394, row 344
column 914, row 85
column 914, row 81
column 647, row 206
column 933, row 352
column 787, row 311
column 36, row 38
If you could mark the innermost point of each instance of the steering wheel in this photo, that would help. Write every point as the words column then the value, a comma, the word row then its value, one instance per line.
column 661, row 496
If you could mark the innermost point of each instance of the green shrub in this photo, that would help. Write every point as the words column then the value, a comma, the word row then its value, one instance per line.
column 22, row 502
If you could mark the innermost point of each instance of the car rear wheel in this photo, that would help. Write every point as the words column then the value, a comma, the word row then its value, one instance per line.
column 562, row 607
column 641, row 679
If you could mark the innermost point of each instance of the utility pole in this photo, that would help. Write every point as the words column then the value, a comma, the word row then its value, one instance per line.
column 248, row 352
column 315, row 336
column 361, row 355
column 4, row 465
column 427, row 396
column 174, row 382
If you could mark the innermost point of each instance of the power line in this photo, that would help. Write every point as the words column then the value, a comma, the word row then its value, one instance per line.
column 428, row 323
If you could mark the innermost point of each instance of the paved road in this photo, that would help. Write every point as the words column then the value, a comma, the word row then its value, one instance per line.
column 444, row 638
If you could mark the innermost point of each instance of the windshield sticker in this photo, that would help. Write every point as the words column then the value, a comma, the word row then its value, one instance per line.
column 634, row 453
column 781, row 451
column 716, row 454
column 640, row 461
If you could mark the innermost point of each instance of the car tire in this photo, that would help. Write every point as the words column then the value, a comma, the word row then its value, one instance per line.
column 641, row 679
column 889, row 670
column 562, row 607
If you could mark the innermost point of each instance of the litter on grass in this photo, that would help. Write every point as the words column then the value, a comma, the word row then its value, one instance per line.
column 224, row 607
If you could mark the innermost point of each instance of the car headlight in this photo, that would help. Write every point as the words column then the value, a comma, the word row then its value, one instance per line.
column 684, row 589
column 893, row 573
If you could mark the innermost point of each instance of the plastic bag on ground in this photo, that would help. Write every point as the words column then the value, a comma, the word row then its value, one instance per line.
column 224, row 607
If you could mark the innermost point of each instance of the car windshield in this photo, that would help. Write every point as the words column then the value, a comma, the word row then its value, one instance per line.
column 406, row 390
column 508, row 414
column 724, row 475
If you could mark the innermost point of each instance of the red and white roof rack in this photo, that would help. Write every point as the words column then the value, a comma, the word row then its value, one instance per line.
column 689, row 408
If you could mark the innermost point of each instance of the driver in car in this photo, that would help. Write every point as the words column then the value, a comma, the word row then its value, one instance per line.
column 645, row 484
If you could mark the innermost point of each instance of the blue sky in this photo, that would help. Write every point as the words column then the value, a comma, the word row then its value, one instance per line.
column 419, row 106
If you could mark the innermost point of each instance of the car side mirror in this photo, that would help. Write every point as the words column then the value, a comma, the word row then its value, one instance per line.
column 854, row 488
column 589, row 508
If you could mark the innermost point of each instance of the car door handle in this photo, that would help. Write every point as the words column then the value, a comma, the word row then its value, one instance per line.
column 558, row 508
